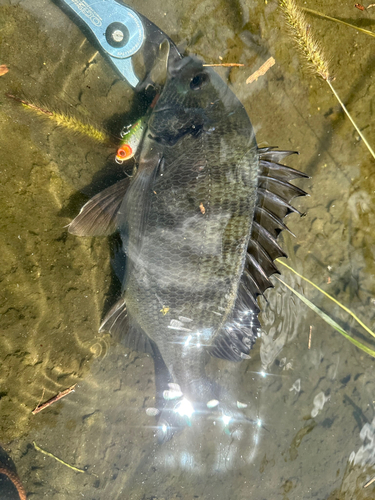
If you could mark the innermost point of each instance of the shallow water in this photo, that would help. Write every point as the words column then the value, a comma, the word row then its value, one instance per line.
column 317, row 404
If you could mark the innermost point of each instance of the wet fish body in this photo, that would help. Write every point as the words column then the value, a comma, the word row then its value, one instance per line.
column 199, row 222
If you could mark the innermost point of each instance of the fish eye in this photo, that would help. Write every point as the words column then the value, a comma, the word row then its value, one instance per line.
column 199, row 81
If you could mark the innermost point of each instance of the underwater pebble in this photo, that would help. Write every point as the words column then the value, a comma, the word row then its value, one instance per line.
column 296, row 386
column 319, row 401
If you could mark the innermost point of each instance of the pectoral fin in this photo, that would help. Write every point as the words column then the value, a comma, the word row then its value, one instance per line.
column 98, row 216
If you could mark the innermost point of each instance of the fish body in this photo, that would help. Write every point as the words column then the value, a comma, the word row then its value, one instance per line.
column 186, row 262
column 198, row 222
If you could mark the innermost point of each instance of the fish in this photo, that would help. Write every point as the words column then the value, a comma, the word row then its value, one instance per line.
column 199, row 221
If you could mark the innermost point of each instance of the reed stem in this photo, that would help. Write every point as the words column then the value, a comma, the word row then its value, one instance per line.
column 351, row 119
column 324, row 16
column 312, row 51
column 329, row 296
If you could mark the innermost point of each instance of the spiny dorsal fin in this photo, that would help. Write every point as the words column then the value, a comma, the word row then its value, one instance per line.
column 273, row 204
column 272, row 154
column 239, row 333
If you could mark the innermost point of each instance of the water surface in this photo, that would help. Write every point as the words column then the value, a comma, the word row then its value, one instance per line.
column 316, row 404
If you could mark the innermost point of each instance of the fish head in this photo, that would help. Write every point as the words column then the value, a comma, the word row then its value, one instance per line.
column 195, row 99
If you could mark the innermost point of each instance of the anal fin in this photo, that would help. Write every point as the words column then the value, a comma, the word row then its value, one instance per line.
column 238, row 335
column 118, row 323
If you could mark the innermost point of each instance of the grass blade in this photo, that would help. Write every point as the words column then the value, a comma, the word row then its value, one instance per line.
column 329, row 320
column 330, row 297
column 324, row 16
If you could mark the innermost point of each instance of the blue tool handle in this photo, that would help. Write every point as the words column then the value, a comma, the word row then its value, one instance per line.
column 118, row 29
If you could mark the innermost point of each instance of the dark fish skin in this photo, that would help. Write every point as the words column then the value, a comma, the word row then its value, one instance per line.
column 185, row 221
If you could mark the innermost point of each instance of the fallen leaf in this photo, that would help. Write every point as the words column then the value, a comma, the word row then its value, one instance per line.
column 3, row 69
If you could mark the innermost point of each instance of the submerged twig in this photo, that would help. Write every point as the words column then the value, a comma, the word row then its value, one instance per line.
column 313, row 53
column 3, row 69
column 225, row 65
column 53, row 400
column 58, row 459
column 369, row 482
column 262, row 70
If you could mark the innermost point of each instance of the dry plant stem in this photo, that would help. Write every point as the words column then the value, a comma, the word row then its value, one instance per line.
column 324, row 16
column 351, row 119
column 53, row 400
column 329, row 320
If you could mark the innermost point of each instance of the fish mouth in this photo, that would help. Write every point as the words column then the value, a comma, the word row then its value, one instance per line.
column 175, row 65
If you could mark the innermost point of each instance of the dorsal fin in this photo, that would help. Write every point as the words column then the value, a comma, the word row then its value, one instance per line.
column 273, row 204
column 239, row 333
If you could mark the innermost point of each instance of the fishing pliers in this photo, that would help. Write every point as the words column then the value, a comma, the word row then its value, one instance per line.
column 121, row 33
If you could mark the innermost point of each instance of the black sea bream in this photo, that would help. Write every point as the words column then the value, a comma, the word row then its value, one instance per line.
column 199, row 221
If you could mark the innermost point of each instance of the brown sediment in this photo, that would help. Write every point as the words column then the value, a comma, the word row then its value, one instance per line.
column 15, row 480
